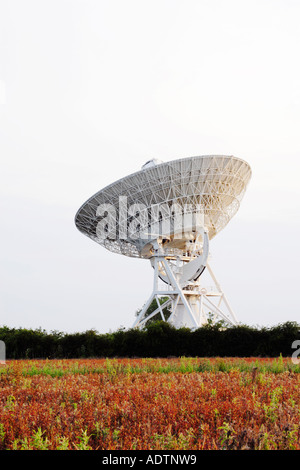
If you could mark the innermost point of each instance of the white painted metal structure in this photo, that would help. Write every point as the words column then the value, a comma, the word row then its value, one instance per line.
column 167, row 213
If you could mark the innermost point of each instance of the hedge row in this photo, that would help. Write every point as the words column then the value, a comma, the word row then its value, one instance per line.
column 159, row 339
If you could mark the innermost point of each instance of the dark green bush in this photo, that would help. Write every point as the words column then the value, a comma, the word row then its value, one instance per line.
column 158, row 339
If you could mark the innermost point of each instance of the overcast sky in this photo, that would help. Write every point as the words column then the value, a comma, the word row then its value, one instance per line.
column 91, row 90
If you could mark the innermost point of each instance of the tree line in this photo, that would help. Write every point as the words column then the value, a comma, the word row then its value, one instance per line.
column 157, row 339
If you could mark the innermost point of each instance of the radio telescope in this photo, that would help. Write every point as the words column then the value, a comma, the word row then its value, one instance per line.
column 167, row 213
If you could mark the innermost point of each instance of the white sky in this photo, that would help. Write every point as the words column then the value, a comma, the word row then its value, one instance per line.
column 89, row 91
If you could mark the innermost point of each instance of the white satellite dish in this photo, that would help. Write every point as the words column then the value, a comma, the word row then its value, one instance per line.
column 168, row 212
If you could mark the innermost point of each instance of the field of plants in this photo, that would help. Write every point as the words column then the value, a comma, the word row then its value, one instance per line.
column 150, row 404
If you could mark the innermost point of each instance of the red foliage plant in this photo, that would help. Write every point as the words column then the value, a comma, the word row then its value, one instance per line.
column 151, row 404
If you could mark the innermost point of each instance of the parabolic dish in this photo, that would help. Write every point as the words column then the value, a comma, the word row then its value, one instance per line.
column 216, row 183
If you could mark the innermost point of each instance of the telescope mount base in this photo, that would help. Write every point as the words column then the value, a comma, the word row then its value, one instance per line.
column 192, row 306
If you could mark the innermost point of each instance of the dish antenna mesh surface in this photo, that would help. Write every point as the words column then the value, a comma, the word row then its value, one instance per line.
column 167, row 213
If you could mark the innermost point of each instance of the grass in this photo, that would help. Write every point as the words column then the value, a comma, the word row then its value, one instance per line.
column 59, row 368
